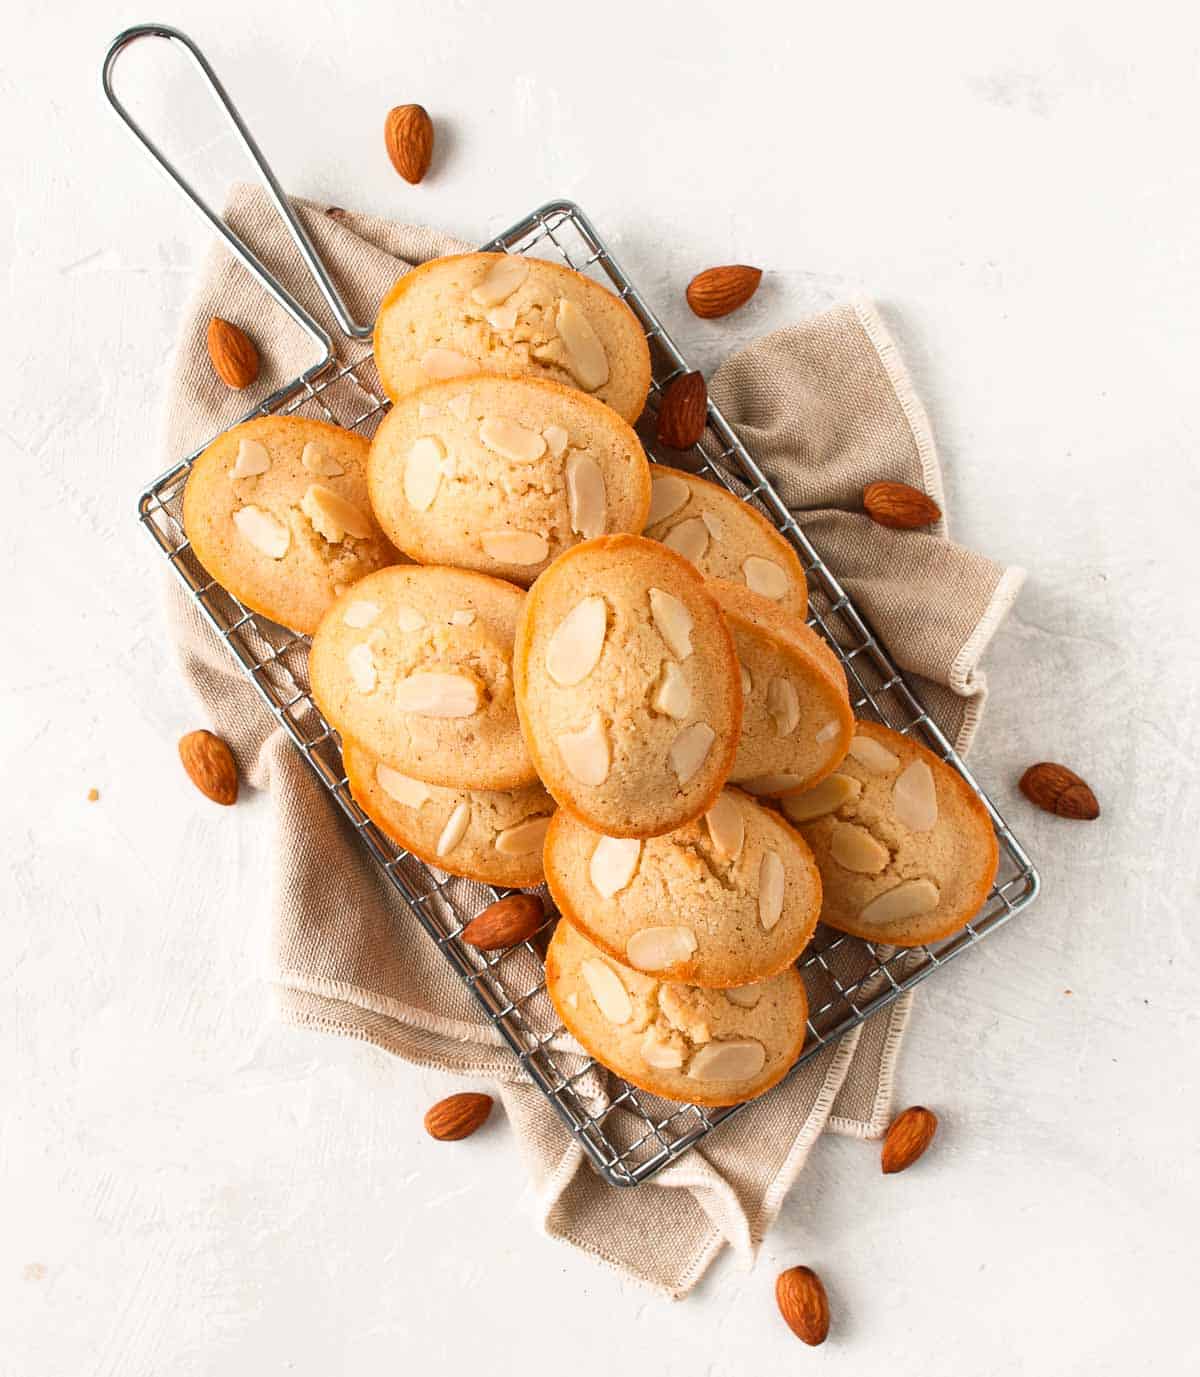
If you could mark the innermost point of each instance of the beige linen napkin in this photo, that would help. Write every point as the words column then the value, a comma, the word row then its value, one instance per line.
column 826, row 407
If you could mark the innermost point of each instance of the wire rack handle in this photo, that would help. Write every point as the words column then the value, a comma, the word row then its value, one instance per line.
column 237, row 246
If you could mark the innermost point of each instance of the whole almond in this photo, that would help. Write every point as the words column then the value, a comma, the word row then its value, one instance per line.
column 508, row 921
column 899, row 506
column 683, row 411
column 802, row 1302
column 233, row 356
column 210, row 766
column 1060, row 791
column 408, row 134
column 910, row 1134
column 457, row 1116
column 718, row 291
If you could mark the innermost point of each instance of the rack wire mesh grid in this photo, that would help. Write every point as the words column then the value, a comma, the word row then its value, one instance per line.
column 628, row 1134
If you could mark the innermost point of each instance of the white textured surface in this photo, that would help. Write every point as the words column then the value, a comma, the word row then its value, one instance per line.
column 185, row 1187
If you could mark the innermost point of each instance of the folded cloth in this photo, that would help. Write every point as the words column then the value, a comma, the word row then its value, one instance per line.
column 825, row 406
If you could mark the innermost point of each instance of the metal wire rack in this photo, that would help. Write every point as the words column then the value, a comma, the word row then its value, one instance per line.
column 627, row 1134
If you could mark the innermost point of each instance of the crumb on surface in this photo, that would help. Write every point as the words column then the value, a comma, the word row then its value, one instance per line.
column 93, row 795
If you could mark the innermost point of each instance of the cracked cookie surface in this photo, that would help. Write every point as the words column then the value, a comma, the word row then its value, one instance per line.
column 517, row 316
column 277, row 512
column 726, row 900
column 713, row 1047
column 504, row 474
column 906, row 849
column 415, row 664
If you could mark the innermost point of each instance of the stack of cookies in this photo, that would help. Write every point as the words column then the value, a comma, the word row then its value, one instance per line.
column 548, row 660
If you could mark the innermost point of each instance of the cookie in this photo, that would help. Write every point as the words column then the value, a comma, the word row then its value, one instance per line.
column 729, row 899
column 725, row 538
column 277, row 512
column 796, row 715
column 494, row 836
column 906, row 848
column 504, row 474
column 713, row 1047
column 627, row 686
column 523, row 317
column 415, row 664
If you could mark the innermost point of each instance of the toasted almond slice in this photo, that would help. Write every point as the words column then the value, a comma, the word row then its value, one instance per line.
column 556, row 439
column 252, row 459
column 514, row 547
column 771, row 786
column 826, row 797
column 766, row 577
column 265, row 532
column 578, row 641
column 586, row 753
column 909, row 899
column 690, row 750
column 586, row 360
column 747, row 682
column 659, row 1053
column 856, row 849
column 667, row 495
column 462, row 616
column 459, row 406
column 446, row 363
column 689, row 539
column 674, row 622
column 438, row 695
column 873, row 756
column 332, row 517
column 409, row 619
column 455, row 829
column 673, row 694
column 726, row 827
column 315, row 460
column 412, row 793
column 656, row 949
column 914, row 798
column 511, row 441
column 361, row 664
column 826, row 733
column 502, row 317
column 523, row 838
column 360, row 614
column 613, row 863
column 426, row 411
column 783, row 705
column 586, row 497
column 500, row 281
column 715, row 529
column 611, row 996
column 734, row 1059
column 423, row 472
column 745, row 996
column 770, row 889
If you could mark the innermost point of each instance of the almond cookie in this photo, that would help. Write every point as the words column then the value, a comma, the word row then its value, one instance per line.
column 493, row 836
column 726, row 900
column 415, row 664
column 504, row 474
column 277, row 512
column 796, row 716
column 725, row 538
column 523, row 317
column 712, row 1047
column 627, row 686
column 906, row 849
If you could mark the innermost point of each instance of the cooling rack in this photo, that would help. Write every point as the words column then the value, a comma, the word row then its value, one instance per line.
column 627, row 1134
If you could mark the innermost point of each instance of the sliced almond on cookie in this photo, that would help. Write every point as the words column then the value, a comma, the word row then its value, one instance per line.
column 446, row 363
column 361, row 664
column 873, row 756
column 914, row 798
column 586, row 753
column 689, row 539
column 585, row 357
column 726, row 827
column 657, row 948
column 587, row 500
column 770, row 785
column 745, row 996
column 613, row 863
column 514, row 547
column 783, row 704
column 667, row 495
column 360, row 614
column 523, row 838
column 673, row 622
column 438, row 695
column 315, row 460
column 252, row 459
column 265, row 532
column 423, row 472
column 856, row 849
column 909, row 899
column 500, row 281
column 672, row 694
column 737, row 1059
column 690, row 750
column 766, row 577
column 826, row 797
column 412, row 793
column 771, row 882
column 511, row 441
column 332, row 517
column 556, row 439
column 502, row 317
column 578, row 641
column 409, row 619
column 611, row 996
column 455, row 829
column 660, row 1053
column 459, row 406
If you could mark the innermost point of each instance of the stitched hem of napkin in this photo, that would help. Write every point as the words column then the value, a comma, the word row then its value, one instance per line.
column 966, row 678
column 881, row 1110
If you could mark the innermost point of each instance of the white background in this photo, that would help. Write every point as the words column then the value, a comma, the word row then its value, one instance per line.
column 189, row 1188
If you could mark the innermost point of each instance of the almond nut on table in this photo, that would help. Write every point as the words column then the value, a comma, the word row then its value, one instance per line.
column 800, row 1295
column 457, row 1116
column 408, row 134
column 1055, row 789
column 210, row 766
column 505, row 923
column 683, row 411
column 234, row 357
column 909, row 1135
column 899, row 506
column 719, row 291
